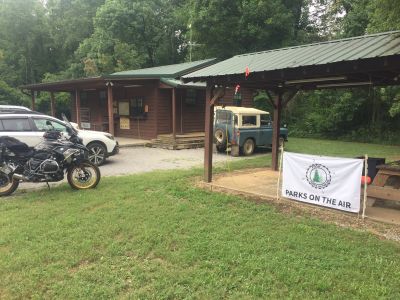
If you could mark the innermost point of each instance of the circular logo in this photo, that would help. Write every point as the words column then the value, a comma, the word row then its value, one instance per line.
column 318, row 176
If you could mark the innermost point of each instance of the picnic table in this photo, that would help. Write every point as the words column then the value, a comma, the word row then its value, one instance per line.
column 386, row 184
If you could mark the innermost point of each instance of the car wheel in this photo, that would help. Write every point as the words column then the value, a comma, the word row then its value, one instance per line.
column 248, row 147
column 97, row 153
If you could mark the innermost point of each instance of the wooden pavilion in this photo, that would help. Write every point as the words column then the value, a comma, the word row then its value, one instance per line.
column 370, row 60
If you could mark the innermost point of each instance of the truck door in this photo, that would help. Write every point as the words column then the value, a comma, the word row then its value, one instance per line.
column 266, row 130
column 223, row 121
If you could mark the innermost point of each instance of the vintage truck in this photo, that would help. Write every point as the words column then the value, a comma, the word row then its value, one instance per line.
column 243, row 129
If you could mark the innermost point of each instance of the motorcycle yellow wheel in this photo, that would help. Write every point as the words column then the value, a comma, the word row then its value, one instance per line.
column 83, row 176
column 7, row 185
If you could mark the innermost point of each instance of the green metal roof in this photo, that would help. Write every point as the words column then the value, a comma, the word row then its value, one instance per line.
column 349, row 49
column 179, row 84
column 169, row 71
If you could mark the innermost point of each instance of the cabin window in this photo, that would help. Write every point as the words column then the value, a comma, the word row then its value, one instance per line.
column 84, row 99
column 190, row 97
column 137, row 107
column 103, row 98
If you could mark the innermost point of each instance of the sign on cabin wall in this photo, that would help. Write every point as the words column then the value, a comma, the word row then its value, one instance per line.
column 321, row 180
column 124, row 123
column 85, row 125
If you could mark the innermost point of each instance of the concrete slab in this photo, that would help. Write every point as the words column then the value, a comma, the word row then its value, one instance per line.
column 386, row 215
column 262, row 184
column 129, row 142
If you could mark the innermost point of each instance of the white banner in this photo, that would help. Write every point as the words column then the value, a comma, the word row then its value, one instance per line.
column 327, row 181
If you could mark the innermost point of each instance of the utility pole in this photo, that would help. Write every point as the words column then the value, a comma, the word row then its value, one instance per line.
column 190, row 42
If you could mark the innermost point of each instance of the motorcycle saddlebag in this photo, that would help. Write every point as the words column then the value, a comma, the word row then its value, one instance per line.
column 14, row 145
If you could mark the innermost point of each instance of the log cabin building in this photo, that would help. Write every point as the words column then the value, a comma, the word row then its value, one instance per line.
column 140, row 104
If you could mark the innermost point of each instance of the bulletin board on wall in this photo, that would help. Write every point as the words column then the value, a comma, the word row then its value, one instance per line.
column 123, row 107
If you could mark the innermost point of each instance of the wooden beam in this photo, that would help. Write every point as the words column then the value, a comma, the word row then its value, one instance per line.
column 78, row 107
column 276, row 130
column 289, row 97
column 110, row 100
column 33, row 100
column 218, row 93
column 52, row 105
column 208, row 139
column 174, row 113
column 270, row 99
column 384, row 193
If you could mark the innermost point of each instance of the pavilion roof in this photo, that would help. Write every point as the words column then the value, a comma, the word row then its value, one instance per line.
column 283, row 62
column 168, row 71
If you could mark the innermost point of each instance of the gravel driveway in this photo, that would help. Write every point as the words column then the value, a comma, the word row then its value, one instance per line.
column 139, row 160
column 142, row 159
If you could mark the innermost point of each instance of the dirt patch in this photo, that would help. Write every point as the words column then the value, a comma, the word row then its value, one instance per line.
column 298, row 209
column 83, row 264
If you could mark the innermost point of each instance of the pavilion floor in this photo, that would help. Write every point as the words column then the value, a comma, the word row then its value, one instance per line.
column 260, row 185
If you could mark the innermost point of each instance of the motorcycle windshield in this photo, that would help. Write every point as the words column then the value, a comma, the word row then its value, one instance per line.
column 68, row 123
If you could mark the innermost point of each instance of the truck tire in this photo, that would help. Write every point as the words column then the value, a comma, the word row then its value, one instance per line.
column 220, row 140
column 220, row 137
column 248, row 147
column 281, row 141
column 221, row 148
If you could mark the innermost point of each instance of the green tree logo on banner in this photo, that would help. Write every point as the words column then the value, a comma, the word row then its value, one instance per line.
column 318, row 176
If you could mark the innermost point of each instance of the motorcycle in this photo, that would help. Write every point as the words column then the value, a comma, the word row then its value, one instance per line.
column 47, row 161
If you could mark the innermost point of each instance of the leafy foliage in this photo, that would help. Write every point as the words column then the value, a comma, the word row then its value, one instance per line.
column 61, row 39
column 8, row 95
column 353, row 114
column 226, row 28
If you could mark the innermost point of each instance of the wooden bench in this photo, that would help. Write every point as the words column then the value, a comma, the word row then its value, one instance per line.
column 386, row 184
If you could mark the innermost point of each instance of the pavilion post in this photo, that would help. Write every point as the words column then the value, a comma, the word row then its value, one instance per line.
column 52, row 105
column 110, row 100
column 208, row 139
column 174, row 113
column 276, row 130
column 33, row 99
column 78, row 107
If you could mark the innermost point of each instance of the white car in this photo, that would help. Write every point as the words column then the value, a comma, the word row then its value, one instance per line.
column 29, row 126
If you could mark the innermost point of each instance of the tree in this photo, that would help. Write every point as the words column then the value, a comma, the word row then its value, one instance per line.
column 131, row 34
column 9, row 95
column 70, row 22
column 223, row 28
column 24, row 42
column 384, row 15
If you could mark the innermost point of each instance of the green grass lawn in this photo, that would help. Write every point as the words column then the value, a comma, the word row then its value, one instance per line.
column 155, row 235
column 343, row 149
